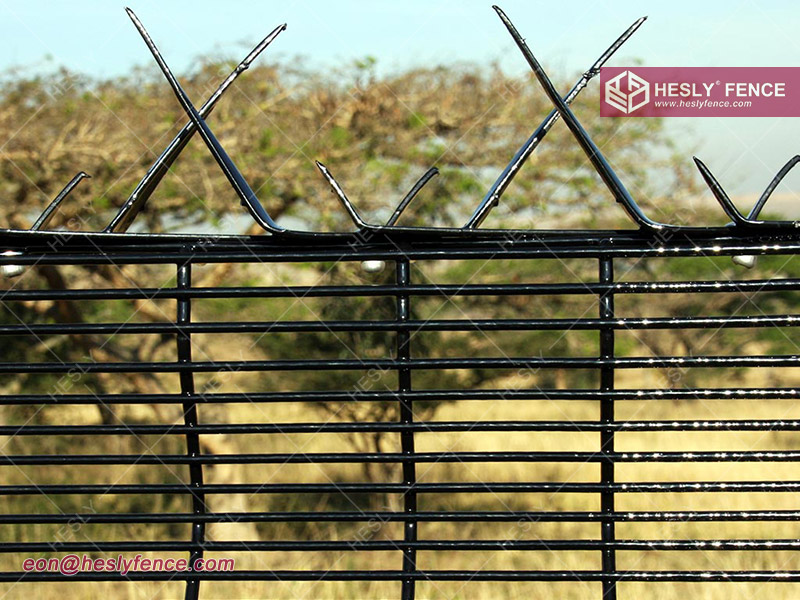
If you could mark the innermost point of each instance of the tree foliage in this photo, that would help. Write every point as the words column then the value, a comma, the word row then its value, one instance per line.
column 376, row 133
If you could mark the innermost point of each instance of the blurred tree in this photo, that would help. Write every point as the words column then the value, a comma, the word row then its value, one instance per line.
column 376, row 134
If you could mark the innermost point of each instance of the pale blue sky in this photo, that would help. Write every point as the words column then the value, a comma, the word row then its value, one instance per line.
column 95, row 37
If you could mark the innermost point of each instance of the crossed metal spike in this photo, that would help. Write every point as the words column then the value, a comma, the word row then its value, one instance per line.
column 138, row 198
column 249, row 199
column 236, row 179
column 251, row 202
column 246, row 194
column 492, row 197
column 610, row 178
column 136, row 201
column 596, row 157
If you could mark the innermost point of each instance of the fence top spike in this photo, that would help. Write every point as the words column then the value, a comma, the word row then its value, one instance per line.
column 719, row 193
column 595, row 68
column 9, row 271
column 495, row 192
column 759, row 205
column 339, row 192
column 145, row 188
column 596, row 157
column 730, row 208
column 412, row 193
column 248, row 60
column 234, row 176
column 47, row 215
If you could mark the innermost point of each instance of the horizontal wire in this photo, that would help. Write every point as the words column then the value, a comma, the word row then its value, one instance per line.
column 82, row 247
column 358, row 395
column 390, row 426
column 534, row 362
column 588, row 288
column 422, row 516
column 396, row 457
column 411, row 325
column 401, row 488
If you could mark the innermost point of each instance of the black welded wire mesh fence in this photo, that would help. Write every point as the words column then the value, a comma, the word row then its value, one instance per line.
column 419, row 500
column 414, row 497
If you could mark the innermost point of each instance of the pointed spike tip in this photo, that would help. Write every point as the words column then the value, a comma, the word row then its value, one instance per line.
column 638, row 23
column 500, row 12
column 706, row 173
column 707, row 176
